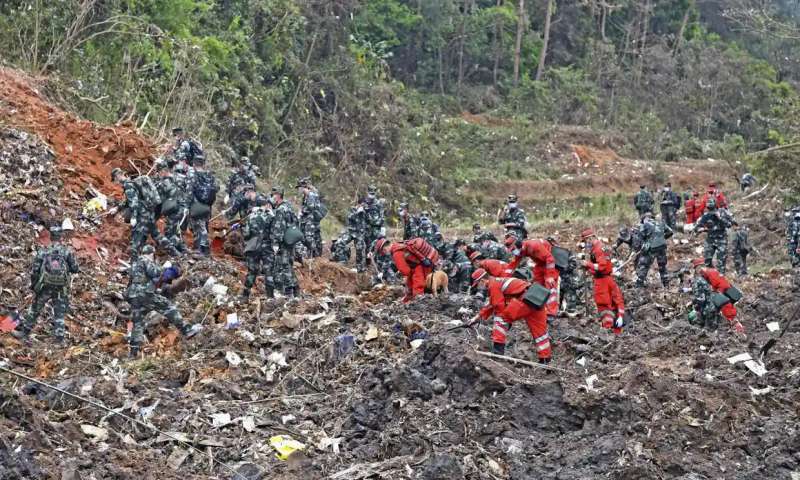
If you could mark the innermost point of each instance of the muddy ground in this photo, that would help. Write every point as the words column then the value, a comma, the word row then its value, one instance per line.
column 371, row 387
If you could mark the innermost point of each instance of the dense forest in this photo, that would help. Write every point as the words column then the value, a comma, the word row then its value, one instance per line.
column 350, row 89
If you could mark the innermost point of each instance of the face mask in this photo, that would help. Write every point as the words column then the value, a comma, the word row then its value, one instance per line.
column 667, row 189
column 273, row 199
column 512, row 205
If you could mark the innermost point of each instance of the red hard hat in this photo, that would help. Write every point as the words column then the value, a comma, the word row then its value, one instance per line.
column 475, row 255
column 477, row 275
column 379, row 244
column 587, row 233
column 697, row 262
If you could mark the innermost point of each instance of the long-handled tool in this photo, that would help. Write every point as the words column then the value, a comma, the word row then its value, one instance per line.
column 772, row 341
column 470, row 324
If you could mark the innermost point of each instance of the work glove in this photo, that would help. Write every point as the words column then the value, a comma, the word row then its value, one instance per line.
column 516, row 252
column 426, row 262
column 236, row 226
column 619, row 322
column 738, row 327
column 167, row 264
column 275, row 248
column 133, row 222
column 227, row 199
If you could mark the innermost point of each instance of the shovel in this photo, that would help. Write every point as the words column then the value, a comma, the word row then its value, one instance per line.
column 772, row 341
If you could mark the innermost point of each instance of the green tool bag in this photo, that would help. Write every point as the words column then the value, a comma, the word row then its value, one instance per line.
column 292, row 236
column 561, row 255
column 734, row 294
column 536, row 295
column 719, row 300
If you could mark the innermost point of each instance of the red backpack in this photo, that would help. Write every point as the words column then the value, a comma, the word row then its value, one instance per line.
column 421, row 249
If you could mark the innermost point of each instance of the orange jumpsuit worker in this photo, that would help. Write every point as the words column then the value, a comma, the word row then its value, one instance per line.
column 505, row 304
column 607, row 295
column 544, row 269
column 414, row 260
column 495, row 268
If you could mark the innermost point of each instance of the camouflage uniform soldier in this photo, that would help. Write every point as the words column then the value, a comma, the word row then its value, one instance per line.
column 643, row 201
column 312, row 211
column 374, row 215
column 716, row 223
column 244, row 203
column 386, row 271
column 458, row 267
column 50, row 282
column 629, row 236
column 572, row 286
column 430, row 232
column 670, row 203
column 410, row 222
column 705, row 314
column 741, row 247
column 355, row 233
column 258, row 253
column 513, row 218
column 491, row 249
column 747, row 182
column 186, row 149
column 204, row 190
column 793, row 238
column 172, row 208
column 183, row 174
column 142, row 202
column 144, row 298
column 654, row 237
column 240, row 181
column 283, row 275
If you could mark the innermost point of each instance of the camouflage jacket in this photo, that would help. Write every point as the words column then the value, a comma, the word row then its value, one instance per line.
column 312, row 205
column 793, row 234
column 168, row 189
column 239, row 179
column 143, row 276
column 284, row 218
column 701, row 294
column 258, row 225
column 654, row 235
column 357, row 221
column 133, row 201
column 741, row 241
column 643, row 200
column 241, row 206
column 670, row 198
column 513, row 219
column 375, row 216
column 182, row 184
column 62, row 250
column 716, row 222
column 493, row 250
column 633, row 240
column 410, row 227
column 430, row 232
column 203, row 184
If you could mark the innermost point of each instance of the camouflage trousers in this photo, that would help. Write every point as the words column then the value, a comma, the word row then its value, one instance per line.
column 259, row 263
column 173, row 231
column 461, row 279
column 668, row 215
column 740, row 262
column 199, row 228
column 312, row 237
column 572, row 290
column 646, row 261
column 716, row 246
column 146, row 228
column 283, row 276
column 59, row 298
column 342, row 253
column 708, row 317
column 143, row 305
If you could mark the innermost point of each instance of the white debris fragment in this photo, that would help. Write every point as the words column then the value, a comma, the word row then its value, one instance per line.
column 232, row 321
column 756, row 367
column 590, row 381
column 415, row 344
column 581, row 361
column 220, row 419
column 249, row 424
column 739, row 358
column 247, row 335
column 233, row 359
column 278, row 359
column 287, row 418
column 760, row 391
column 773, row 326
column 98, row 434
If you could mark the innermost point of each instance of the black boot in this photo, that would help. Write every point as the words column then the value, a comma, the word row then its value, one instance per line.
column 134, row 352
column 544, row 361
column 270, row 291
column 499, row 348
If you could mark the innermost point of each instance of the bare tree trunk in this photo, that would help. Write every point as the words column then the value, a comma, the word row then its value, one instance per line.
column 551, row 4
column 461, row 41
column 603, row 17
column 642, row 44
column 497, row 44
column 441, row 72
column 682, row 30
column 518, row 46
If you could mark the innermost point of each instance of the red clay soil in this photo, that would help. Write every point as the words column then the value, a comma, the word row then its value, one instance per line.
column 85, row 152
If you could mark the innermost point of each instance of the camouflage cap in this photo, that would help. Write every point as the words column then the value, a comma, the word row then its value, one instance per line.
column 55, row 231
column 372, row 189
column 302, row 182
column 277, row 190
column 512, row 198
column 148, row 249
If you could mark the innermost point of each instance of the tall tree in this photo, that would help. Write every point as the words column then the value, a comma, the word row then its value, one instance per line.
column 518, row 45
column 551, row 4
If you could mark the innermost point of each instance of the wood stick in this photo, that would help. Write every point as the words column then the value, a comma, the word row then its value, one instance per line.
column 524, row 362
